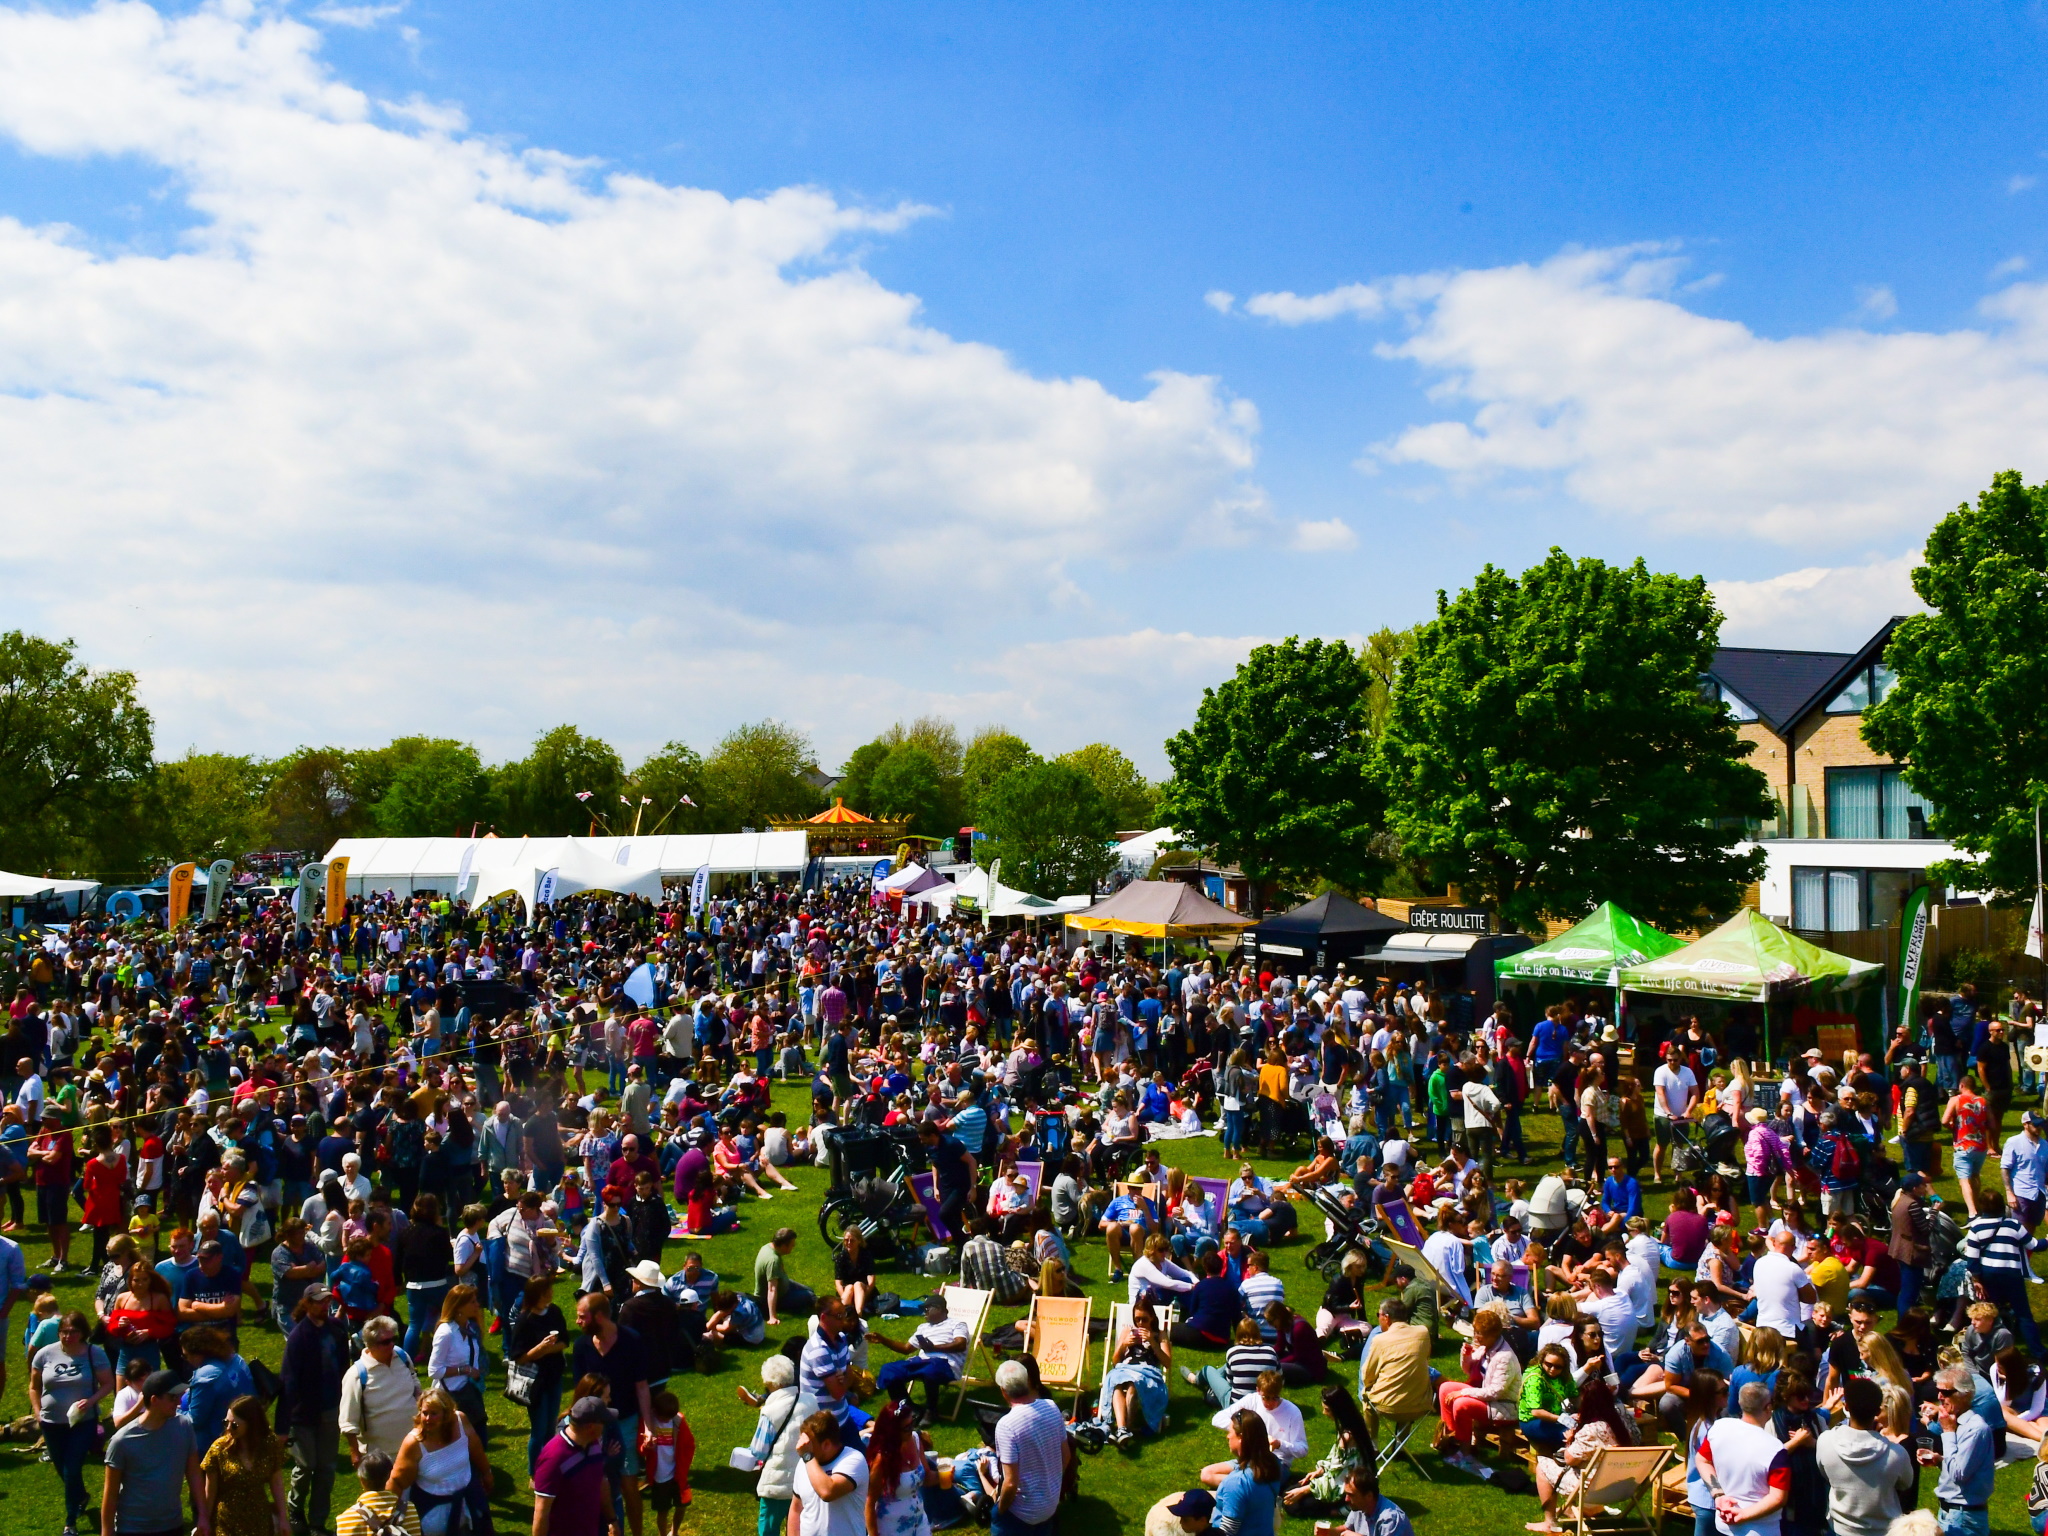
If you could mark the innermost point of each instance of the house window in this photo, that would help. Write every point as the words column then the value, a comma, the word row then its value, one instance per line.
column 1840, row 900
column 1869, row 686
column 1738, row 708
column 1875, row 803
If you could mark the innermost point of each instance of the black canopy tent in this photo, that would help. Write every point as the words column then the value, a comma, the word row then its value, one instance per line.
column 1318, row 934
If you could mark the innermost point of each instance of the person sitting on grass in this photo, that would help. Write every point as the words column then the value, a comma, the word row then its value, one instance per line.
column 1367, row 1511
column 1248, row 1485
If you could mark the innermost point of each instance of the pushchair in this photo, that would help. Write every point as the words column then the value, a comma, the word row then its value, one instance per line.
column 1713, row 1146
column 1350, row 1228
column 870, row 1192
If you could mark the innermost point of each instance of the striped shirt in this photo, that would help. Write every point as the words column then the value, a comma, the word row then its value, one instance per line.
column 372, row 1513
column 1245, row 1363
column 1995, row 1245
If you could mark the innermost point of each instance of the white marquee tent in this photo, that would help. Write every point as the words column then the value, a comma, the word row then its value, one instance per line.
column 41, row 885
column 1009, row 901
column 403, row 865
column 575, row 869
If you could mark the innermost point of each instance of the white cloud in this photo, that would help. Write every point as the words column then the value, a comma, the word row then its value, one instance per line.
column 1324, row 537
column 415, row 430
column 1584, row 372
column 1219, row 300
column 2018, row 184
column 1876, row 302
column 1366, row 300
column 1820, row 607
column 354, row 15
column 2012, row 266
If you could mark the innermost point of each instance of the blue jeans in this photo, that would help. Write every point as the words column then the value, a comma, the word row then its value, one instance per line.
column 1910, row 1282
column 540, row 1422
column 1545, row 1434
column 1964, row 1522
column 423, row 1307
column 1511, row 1136
column 1570, row 1117
column 1253, row 1230
column 1920, row 1157
column 1233, row 1129
column 70, row 1447
column 1948, row 1073
column 1003, row 1523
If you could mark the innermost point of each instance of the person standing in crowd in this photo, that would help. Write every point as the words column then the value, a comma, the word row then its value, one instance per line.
column 309, row 1407
column 67, row 1381
column 540, row 1339
column 152, row 1464
column 831, row 1482
column 774, row 1449
column 1034, row 1453
column 378, row 1393
column 244, row 1469
column 1968, row 1457
column 569, row 1497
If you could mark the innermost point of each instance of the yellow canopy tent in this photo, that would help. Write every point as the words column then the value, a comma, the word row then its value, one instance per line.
column 1159, row 909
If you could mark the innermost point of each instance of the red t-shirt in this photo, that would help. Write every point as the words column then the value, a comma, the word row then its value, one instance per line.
column 55, row 1174
column 1686, row 1232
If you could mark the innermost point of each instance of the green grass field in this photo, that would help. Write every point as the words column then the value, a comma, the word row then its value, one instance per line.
column 1116, row 1488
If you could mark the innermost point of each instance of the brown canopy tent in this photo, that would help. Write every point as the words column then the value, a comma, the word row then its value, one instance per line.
column 1159, row 909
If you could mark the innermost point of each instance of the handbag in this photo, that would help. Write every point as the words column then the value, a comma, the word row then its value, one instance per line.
column 522, row 1383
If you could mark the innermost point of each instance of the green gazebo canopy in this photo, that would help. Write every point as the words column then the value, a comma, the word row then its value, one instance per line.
column 1591, row 951
column 1749, row 958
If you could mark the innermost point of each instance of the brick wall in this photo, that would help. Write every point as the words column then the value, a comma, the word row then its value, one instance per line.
column 1822, row 741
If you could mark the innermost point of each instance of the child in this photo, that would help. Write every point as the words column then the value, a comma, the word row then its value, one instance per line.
column 356, row 1283
column 666, row 1449
column 129, row 1402
column 1984, row 1340
column 42, row 1324
column 142, row 1226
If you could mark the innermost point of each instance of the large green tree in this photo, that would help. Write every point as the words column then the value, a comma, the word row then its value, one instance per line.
column 909, row 786
column 75, row 757
column 211, row 805
column 438, row 788
column 541, row 790
column 671, row 784
column 313, row 800
column 1548, row 747
column 1131, row 800
column 1273, row 774
column 1968, row 711
column 993, row 753
column 857, row 781
column 1051, row 827
column 757, row 773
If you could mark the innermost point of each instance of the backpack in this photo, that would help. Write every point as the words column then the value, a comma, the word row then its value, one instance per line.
column 391, row 1525
column 1844, row 1163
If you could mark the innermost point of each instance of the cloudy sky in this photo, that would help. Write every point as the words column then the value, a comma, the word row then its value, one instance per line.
column 468, row 368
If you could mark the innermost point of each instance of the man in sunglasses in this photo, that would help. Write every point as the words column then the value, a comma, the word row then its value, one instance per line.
column 1967, row 1460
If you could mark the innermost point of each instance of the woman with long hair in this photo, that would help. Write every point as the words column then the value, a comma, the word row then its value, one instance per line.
column 897, row 1464
column 540, row 1339
column 142, row 1317
column 1322, row 1491
column 1248, row 1485
column 441, row 1460
column 853, row 1272
column 1599, row 1427
column 1135, row 1383
column 1239, row 1087
column 244, row 1475
column 1703, row 1405
column 457, row 1363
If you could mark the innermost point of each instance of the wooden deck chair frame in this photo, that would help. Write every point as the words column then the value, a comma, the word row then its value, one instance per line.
column 971, row 1306
column 1622, row 1476
column 1120, row 1319
column 1447, row 1301
column 1071, row 1316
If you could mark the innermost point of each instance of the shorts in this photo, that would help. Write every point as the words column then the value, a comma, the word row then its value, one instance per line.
column 2027, row 1210
column 1967, row 1164
column 1665, row 1134
column 664, row 1497
column 1838, row 1202
column 53, row 1204
column 629, row 1431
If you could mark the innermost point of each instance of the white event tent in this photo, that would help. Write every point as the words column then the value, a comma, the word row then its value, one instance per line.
column 1008, row 902
column 574, row 869
column 41, row 885
column 403, row 865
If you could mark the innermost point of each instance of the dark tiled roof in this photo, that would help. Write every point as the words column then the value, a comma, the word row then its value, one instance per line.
column 1785, row 686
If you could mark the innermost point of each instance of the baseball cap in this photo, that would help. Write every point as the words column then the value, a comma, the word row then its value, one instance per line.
column 1912, row 1179
column 162, row 1384
column 1191, row 1505
column 591, row 1410
column 1862, row 1301
column 316, row 1291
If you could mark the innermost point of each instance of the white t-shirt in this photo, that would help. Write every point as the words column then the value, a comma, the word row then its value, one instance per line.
column 1775, row 1283
column 1676, row 1088
column 845, row 1516
column 1747, row 1460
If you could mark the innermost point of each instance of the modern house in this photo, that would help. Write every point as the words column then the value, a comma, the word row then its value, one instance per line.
column 1849, row 839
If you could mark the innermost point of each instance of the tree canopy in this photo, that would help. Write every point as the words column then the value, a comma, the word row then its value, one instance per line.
column 666, row 779
column 1547, row 747
column 1967, row 710
column 541, row 790
column 1273, row 774
column 909, row 787
column 993, row 753
column 757, row 773
column 1133, row 802
column 1051, row 827
column 76, row 749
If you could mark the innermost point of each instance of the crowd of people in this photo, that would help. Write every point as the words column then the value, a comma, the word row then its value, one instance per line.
column 425, row 1119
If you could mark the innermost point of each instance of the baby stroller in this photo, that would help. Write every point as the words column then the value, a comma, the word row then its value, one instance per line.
column 1198, row 1085
column 1714, row 1145
column 871, row 1192
column 1350, row 1228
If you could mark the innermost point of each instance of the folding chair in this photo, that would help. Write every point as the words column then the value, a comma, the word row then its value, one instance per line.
column 1400, row 1442
column 1616, row 1479
column 971, row 1307
column 1057, row 1334
column 1120, row 1319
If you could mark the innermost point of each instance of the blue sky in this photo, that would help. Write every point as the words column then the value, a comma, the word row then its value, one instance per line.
column 533, row 464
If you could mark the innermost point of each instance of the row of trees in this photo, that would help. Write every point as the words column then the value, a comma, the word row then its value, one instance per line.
column 1541, row 743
